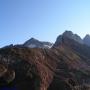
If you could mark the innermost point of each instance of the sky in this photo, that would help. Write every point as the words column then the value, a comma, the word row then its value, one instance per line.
column 42, row 19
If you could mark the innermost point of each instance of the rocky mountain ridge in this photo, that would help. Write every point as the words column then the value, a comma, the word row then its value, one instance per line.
column 75, row 37
column 65, row 66
column 34, row 43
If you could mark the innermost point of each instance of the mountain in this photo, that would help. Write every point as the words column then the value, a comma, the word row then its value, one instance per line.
column 73, row 68
column 75, row 37
column 87, row 39
column 70, row 35
column 34, row 43
column 65, row 66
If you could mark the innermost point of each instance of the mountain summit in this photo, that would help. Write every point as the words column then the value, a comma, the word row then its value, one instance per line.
column 87, row 39
column 70, row 35
column 75, row 37
column 34, row 43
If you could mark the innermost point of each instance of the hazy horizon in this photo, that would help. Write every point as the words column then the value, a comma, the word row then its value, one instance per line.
column 42, row 19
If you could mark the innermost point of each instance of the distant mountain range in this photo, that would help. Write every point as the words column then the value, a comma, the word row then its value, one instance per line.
column 37, row 65
column 34, row 43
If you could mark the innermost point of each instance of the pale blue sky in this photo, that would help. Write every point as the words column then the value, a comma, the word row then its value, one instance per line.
column 43, row 19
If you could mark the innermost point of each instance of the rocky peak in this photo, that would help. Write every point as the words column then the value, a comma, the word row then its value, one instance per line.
column 32, row 40
column 70, row 35
column 86, row 40
column 34, row 43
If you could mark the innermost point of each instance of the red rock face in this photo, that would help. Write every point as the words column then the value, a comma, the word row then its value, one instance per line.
column 37, row 64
